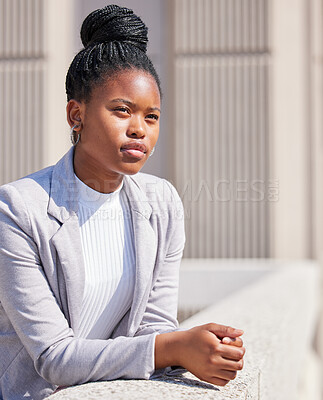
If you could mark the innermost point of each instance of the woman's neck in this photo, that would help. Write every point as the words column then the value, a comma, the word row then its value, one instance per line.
column 93, row 177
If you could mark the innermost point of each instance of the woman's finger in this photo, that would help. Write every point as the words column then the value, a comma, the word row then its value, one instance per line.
column 230, row 365
column 231, row 352
column 232, row 341
column 223, row 330
column 217, row 381
column 226, row 375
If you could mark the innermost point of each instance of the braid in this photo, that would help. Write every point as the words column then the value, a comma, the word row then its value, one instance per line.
column 114, row 39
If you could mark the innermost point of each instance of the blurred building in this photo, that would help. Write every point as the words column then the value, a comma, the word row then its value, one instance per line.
column 241, row 135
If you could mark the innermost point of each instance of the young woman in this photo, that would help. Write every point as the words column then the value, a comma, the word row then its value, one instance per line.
column 90, row 248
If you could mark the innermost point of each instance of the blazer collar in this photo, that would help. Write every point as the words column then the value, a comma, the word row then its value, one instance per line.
column 63, row 199
column 138, row 200
column 63, row 193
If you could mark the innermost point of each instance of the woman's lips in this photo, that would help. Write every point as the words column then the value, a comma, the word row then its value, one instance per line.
column 133, row 153
column 134, row 150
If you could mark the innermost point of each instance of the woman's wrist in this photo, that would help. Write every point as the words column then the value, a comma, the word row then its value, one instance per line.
column 168, row 348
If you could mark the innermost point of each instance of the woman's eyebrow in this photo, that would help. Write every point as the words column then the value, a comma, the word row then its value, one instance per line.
column 122, row 101
column 130, row 103
column 154, row 109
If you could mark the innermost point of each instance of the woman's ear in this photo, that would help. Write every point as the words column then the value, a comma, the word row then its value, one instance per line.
column 74, row 114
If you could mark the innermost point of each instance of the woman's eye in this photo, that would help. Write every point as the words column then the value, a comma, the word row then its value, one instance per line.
column 153, row 116
column 122, row 109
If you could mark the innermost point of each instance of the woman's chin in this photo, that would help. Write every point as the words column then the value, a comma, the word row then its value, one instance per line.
column 132, row 168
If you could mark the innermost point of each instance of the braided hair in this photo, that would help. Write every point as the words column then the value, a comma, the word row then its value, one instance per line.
column 114, row 39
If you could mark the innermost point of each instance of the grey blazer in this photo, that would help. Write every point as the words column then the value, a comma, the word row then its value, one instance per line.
column 42, row 280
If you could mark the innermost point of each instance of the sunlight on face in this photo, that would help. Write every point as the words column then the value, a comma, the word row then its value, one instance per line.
column 120, row 126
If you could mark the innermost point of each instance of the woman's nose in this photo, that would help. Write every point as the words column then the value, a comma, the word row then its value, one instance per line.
column 136, row 128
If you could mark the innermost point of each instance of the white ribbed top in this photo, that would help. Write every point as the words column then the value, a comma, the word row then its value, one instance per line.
column 109, row 255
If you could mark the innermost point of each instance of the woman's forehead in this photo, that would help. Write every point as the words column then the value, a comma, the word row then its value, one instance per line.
column 129, row 83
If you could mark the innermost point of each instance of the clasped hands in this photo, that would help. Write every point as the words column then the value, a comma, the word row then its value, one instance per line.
column 212, row 352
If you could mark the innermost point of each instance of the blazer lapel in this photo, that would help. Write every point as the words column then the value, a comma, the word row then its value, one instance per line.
column 67, row 240
column 145, row 249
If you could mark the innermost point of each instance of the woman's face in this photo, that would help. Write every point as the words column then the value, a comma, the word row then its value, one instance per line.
column 120, row 126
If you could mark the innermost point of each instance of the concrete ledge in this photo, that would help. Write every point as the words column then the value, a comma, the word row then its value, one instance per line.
column 184, row 386
column 278, row 312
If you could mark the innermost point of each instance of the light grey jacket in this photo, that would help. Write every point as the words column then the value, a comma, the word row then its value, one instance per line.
column 42, row 280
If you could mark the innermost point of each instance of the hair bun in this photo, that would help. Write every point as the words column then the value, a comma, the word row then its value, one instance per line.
column 114, row 23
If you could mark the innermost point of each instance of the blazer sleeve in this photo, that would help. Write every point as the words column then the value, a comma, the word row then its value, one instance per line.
column 161, row 310
column 29, row 303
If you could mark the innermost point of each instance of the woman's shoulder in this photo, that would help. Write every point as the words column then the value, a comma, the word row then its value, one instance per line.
column 33, row 187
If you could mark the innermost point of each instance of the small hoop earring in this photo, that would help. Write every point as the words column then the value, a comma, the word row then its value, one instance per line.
column 72, row 135
column 152, row 152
